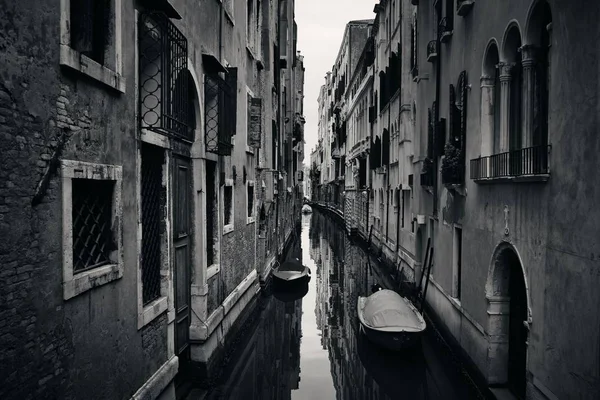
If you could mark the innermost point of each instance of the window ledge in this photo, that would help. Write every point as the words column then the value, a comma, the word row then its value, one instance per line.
column 84, row 281
column 212, row 271
column 446, row 36
column 227, row 229
column 152, row 310
column 73, row 59
column 250, row 220
column 252, row 53
column 514, row 179
column 249, row 150
column 229, row 17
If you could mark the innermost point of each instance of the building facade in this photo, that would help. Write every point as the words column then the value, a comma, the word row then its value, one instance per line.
column 482, row 128
column 148, row 183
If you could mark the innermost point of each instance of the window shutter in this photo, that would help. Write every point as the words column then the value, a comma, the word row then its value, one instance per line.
column 231, row 104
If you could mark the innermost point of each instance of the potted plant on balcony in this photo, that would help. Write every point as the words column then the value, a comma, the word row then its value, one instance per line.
column 427, row 173
column 452, row 166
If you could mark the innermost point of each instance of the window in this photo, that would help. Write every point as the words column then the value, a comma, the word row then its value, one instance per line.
column 90, row 39
column 457, row 263
column 220, row 96
column 250, row 216
column 254, row 123
column 228, row 206
column 163, row 77
column 253, row 26
column 406, row 208
column 92, row 226
column 212, row 216
column 153, row 200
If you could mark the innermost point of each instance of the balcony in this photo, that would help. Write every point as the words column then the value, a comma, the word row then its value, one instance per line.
column 463, row 7
column 523, row 165
column 432, row 51
column 446, row 29
column 335, row 153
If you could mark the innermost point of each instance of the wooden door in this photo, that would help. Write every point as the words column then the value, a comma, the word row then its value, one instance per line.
column 182, row 242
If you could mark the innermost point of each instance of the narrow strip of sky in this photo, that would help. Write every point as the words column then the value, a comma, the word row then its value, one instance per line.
column 321, row 25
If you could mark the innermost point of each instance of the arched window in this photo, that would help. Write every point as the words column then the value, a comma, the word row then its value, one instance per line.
column 537, row 62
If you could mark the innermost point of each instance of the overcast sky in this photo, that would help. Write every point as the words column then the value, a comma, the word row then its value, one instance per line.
column 321, row 26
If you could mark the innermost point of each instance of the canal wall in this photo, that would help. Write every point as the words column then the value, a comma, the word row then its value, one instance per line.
column 226, row 322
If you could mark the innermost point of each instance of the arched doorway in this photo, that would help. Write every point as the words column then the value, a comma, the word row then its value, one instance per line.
column 509, row 317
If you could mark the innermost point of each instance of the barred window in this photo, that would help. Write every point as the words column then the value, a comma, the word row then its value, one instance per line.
column 164, row 104
column 153, row 198
column 92, row 223
column 220, row 109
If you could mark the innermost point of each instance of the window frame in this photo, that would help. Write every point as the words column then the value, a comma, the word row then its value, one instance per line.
column 227, row 228
column 250, row 219
column 74, row 283
column 108, row 74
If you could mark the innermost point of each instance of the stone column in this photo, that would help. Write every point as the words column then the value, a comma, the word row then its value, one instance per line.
column 528, row 52
column 487, row 120
column 487, row 115
column 505, row 80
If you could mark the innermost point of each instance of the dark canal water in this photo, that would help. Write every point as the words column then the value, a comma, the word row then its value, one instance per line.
column 312, row 348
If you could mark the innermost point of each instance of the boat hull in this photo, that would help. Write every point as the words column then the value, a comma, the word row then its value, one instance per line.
column 291, row 279
column 395, row 341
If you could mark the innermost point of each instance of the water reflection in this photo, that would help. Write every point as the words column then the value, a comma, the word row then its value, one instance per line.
column 312, row 348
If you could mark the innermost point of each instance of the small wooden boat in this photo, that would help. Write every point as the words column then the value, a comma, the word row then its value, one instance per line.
column 390, row 320
column 306, row 209
column 291, row 272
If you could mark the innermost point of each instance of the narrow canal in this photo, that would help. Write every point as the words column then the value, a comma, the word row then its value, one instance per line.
column 311, row 348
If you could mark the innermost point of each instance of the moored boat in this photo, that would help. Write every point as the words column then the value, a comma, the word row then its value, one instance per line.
column 390, row 320
column 291, row 272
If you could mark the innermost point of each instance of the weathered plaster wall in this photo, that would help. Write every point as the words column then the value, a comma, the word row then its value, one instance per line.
column 552, row 225
column 50, row 347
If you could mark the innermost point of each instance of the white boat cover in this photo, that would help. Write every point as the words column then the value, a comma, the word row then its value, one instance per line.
column 306, row 209
column 387, row 311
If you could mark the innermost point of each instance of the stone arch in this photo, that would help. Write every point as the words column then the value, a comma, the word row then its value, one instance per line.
column 491, row 58
column 509, row 316
column 494, row 281
column 538, row 18
column 195, row 87
column 511, row 42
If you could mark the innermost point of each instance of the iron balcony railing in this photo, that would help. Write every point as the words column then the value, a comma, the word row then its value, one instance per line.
column 163, row 90
column 523, row 162
column 431, row 50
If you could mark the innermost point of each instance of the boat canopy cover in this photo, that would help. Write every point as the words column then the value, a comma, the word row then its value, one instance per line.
column 291, row 265
column 387, row 309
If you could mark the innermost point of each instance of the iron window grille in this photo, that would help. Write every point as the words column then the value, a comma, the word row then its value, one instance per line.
column 220, row 111
column 153, row 201
column 164, row 104
column 92, row 223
